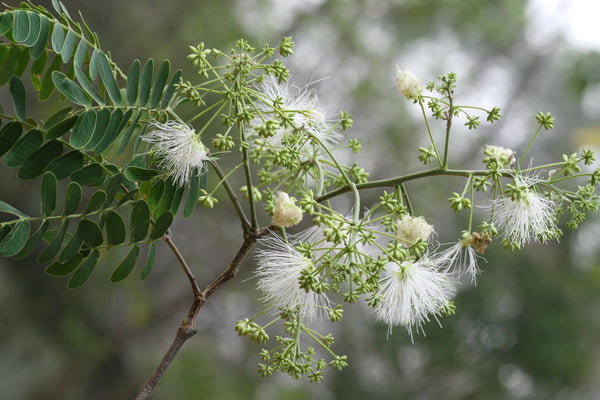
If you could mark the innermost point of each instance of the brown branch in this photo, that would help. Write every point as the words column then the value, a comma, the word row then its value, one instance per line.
column 186, row 329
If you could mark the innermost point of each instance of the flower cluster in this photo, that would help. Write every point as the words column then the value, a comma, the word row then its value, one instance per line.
column 178, row 149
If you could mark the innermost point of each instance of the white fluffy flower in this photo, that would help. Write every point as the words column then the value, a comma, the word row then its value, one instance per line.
column 279, row 270
column 408, row 84
column 286, row 212
column 411, row 293
column 178, row 150
column 462, row 256
column 302, row 103
column 409, row 229
column 526, row 215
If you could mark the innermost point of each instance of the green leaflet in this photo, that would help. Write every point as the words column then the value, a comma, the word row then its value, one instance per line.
column 161, row 225
column 72, row 198
column 32, row 242
column 146, row 82
column 36, row 163
column 126, row 266
column 64, row 165
column 115, row 228
column 7, row 208
column 64, row 268
column 16, row 239
column 84, row 272
column 23, row 148
column 9, row 135
column 162, row 74
column 91, row 175
column 108, row 78
column 95, row 202
column 91, row 233
column 138, row 174
column 70, row 89
column 17, row 93
column 83, row 129
column 149, row 261
column 48, row 194
column 140, row 221
column 133, row 79
column 52, row 250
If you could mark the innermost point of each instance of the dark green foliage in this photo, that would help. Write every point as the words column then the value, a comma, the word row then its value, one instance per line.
column 140, row 221
column 23, row 148
column 36, row 163
column 91, row 233
column 62, row 127
column 91, row 175
column 70, row 89
column 115, row 228
column 133, row 79
column 72, row 198
column 64, row 54
column 72, row 248
column 52, row 250
column 12, row 243
column 9, row 135
column 140, row 174
column 48, row 194
column 191, row 198
column 84, row 272
column 161, row 225
column 33, row 241
column 58, row 268
column 149, row 261
column 17, row 92
column 64, row 165
column 126, row 266
column 97, row 200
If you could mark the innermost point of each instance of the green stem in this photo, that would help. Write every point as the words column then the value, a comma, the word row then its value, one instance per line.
column 437, row 154
column 529, row 145
column 448, row 128
column 232, row 197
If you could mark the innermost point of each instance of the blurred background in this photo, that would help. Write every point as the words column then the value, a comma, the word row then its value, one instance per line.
column 530, row 329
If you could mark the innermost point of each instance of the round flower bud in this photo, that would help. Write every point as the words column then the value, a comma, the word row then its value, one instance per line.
column 408, row 84
column 286, row 212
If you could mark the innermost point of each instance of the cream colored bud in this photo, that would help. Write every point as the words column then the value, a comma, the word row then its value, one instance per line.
column 286, row 212
column 408, row 84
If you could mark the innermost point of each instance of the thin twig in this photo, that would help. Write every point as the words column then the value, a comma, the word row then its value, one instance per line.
column 186, row 329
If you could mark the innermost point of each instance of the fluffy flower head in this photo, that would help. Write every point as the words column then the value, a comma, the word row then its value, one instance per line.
column 408, row 84
column 411, row 293
column 462, row 256
column 524, row 213
column 301, row 103
column 178, row 149
column 286, row 212
column 409, row 229
column 280, row 268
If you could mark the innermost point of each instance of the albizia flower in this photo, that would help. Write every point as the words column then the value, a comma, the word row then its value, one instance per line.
column 524, row 213
column 462, row 256
column 409, row 229
column 286, row 212
column 408, row 84
column 177, row 149
column 279, row 270
column 301, row 104
column 411, row 293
